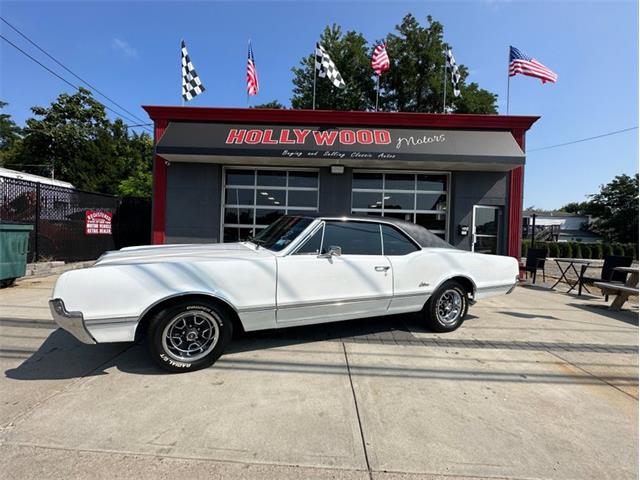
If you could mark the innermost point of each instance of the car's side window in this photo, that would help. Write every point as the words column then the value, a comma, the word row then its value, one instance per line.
column 312, row 245
column 396, row 242
column 354, row 238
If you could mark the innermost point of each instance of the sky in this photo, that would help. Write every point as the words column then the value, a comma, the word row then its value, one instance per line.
column 131, row 51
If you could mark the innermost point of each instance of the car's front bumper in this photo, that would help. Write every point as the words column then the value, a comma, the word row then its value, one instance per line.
column 72, row 322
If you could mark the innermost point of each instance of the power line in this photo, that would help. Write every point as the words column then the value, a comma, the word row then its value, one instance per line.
column 583, row 139
column 56, row 75
column 71, row 72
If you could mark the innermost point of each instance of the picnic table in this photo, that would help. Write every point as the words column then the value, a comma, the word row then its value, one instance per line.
column 622, row 292
column 571, row 264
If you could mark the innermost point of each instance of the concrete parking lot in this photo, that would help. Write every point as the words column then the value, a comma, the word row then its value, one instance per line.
column 536, row 384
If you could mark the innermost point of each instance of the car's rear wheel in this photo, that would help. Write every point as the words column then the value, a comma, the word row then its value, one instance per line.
column 189, row 336
column 447, row 307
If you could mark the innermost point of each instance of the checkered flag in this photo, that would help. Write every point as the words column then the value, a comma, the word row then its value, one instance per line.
column 326, row 68
column 455, row 73
column 191, row 84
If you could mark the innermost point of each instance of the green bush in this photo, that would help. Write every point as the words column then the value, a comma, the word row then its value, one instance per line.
column 565, row 249
column 630, row 250
column 618, row 249
column 577, row 249
column 596, row 251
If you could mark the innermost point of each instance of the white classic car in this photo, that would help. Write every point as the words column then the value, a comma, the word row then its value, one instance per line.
column 187, row 299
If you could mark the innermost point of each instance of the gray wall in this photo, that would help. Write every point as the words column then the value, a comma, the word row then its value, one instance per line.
column 476, row 188
column 335, row 192
column 193, row 203
column 194, row 195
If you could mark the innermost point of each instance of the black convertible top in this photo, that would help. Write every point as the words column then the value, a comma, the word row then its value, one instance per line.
column 424, row 237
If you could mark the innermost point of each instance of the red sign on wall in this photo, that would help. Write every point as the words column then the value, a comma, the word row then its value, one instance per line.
column 97, row 222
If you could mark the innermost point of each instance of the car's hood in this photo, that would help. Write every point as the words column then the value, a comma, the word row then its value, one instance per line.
column 181, row 253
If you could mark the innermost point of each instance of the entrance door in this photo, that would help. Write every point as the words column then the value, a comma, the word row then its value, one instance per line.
column 486, row 229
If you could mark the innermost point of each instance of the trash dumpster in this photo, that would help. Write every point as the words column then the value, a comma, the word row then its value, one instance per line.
column 14, row 244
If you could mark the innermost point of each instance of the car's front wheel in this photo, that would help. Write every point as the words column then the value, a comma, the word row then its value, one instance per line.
column 447, row 307
column 189, row 336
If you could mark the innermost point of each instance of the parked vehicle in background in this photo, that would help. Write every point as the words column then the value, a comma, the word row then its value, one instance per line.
column 187, row 299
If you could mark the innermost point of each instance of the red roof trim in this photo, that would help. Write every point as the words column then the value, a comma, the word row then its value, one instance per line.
column 331, row 117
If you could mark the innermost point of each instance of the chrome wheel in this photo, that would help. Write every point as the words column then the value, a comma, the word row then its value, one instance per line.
column 190, row 336
column 449, row 306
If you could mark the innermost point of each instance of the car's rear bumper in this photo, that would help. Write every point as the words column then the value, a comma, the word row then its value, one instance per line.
column 72, row 322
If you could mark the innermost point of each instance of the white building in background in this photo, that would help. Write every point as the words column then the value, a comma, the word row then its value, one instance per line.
column 29, row 177
column 561, row 227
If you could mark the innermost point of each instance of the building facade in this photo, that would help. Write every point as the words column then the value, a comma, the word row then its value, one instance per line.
column 221, row 175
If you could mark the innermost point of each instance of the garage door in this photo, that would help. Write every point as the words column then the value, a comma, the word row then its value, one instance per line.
column 255, row 198
column 417, row 197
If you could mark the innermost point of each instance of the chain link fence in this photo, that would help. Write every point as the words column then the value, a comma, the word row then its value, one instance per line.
column 58, row 216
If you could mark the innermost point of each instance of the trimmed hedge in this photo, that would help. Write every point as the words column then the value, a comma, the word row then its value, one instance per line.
column 583, row 250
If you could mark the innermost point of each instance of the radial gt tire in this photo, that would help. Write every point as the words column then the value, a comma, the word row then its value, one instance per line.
column 447, row 307
column 189, row 335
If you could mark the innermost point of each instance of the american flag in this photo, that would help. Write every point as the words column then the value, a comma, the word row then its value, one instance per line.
column 252, row 74
column 525, row 65
column 380, row 59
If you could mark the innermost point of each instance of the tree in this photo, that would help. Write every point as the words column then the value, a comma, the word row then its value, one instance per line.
column 74, row 138
column 10, row 135
column 616, row 209
column 349, row 52
column 414, row 82
column 578, row 208
column 272, row 104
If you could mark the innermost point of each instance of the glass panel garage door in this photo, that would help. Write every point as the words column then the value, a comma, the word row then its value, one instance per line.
column 255, row 198
column 420, row 198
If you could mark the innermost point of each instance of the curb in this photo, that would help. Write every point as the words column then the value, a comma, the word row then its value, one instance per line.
column 44, row 269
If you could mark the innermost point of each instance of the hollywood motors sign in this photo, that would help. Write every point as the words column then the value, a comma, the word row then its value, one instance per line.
column 307, row 136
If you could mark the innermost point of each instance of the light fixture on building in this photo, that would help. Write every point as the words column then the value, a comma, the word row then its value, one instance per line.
column 337, row 169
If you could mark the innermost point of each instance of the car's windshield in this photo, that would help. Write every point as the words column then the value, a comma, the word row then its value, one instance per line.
column 281, row 233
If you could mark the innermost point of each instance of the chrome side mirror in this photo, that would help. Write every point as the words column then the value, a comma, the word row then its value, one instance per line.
column 334, row 251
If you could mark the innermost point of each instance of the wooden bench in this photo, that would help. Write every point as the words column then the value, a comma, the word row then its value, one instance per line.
column 621, row 291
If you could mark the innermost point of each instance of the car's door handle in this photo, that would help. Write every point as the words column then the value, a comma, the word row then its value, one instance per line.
column 382, row 269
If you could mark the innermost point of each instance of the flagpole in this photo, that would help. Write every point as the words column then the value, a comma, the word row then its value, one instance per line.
column 315, row 70
column 181, row 76
column 248, row 46
column 508, row 79
column 444, row 100
column 377, row 93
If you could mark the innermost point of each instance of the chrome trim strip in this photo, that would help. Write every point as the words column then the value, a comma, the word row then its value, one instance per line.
column 493, row 288
column 72, row 322
column 339, row 301
column 415, row 294
column 98, row 322
column 256, row 309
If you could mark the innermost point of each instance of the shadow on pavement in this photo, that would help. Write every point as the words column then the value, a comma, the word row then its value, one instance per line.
column 626, row 316
column 528, row 315
column 62, row 357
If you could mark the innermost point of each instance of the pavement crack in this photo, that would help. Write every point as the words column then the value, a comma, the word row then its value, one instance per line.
column 355, row 401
